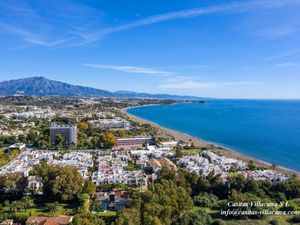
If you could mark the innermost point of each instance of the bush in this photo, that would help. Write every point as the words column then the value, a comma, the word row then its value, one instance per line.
column 218, row 222
column 206, row 200
column 296, row 219
column 274, row 222
column 291, row 207
column 200, row 217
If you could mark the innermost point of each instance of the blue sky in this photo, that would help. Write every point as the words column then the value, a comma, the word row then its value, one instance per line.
column 213, row 48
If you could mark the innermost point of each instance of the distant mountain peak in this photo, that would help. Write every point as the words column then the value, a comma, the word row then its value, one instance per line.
column 41, row 78
column 42, row 86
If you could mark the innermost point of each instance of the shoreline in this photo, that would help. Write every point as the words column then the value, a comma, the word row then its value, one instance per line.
column 216, row 148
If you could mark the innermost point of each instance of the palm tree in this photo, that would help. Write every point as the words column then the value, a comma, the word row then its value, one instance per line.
column 28, row 202
column 15, row 206
column 52, row 207
column 12, row 207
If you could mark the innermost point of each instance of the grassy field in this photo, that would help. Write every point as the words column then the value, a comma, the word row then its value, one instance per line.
column 191, row 151
column 41, row 210
column 107, row 213
column 62, row 209
column 7, row 157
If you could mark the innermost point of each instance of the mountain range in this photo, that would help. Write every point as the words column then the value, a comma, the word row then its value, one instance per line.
column 41, row 86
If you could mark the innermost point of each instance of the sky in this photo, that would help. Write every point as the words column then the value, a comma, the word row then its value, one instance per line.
column 209, row 48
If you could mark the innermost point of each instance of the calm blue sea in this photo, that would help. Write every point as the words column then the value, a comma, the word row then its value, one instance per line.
column 266, row 130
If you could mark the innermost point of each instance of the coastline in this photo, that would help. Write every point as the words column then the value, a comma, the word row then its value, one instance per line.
column 216, row 148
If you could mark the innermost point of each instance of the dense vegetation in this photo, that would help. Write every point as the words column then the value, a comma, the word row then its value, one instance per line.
column 6, row 157
column 62, row 186
column 175, row 198
column 184, row 198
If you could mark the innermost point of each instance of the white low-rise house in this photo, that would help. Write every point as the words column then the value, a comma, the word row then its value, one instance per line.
column 27, row 159
column 266, row 175
column 34, row 183
column 112, row 169
column 142, row 160
column 205, row 164
column 209, row 162
column 119, row 176
column 153, row 151
column 168, row 144
column 116, row 123
column 45, row 114
column 81, row 160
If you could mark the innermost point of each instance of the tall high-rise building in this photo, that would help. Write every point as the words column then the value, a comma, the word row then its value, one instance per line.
column 69, row 133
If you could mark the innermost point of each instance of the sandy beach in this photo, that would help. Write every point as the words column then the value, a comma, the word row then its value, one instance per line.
column 214, row 148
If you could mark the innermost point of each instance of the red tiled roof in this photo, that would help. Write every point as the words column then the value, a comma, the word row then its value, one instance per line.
column 48, row 222
column 167, row 162
column 44, row 220
column 154, row 163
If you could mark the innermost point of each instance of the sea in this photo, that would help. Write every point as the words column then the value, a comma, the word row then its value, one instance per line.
column 267, row 130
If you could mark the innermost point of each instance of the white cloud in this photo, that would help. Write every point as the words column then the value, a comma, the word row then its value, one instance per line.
column 131, row 69
column 51, row 25
column 190, row 13
column 31, row 37
column 80, row 24
column 283, row 55
column 189, row 83
column 190, row 67
column 288, row 64
column 278, row 31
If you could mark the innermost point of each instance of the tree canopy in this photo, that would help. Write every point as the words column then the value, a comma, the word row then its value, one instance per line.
column 61, row 183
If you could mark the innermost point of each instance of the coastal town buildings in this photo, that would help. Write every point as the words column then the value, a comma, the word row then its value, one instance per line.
column 80, row 159
column 112, row 169
column 29, row 112
column 168, row 144
column 27, row 159
column 152, row 151
column 266, row 175
column 68, row 132
column 208, row 162
column 116, row 123
column 131, row 143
